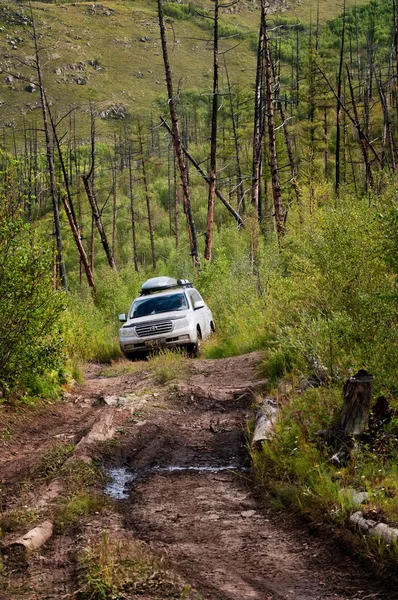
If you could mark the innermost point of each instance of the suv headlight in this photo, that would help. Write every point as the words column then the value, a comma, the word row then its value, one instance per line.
column 127, row 332
column 181, row 323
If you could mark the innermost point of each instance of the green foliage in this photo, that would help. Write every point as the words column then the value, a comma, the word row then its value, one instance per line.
column 31, row 334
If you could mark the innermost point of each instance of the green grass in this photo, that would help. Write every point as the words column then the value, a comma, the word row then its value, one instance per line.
column 71, row 509
column 168, row 365
column 17, row 519
column 75, row 33
column 52, row 462
column 112, row 567
column 122, row 367
column 82, row 481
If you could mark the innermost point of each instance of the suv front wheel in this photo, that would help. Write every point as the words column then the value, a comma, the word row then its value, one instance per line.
column 194, row 349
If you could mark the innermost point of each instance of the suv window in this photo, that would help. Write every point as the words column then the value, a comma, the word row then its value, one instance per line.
column 153, row 306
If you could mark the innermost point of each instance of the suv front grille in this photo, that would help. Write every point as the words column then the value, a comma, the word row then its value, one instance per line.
column 154, row 328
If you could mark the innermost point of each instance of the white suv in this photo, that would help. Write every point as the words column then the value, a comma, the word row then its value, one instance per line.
column 168, row 312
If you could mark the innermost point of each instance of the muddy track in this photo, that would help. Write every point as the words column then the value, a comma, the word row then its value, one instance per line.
column 181, row 483
column 192, row 498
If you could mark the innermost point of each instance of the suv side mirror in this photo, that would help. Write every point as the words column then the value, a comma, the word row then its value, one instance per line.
column 122, row 318
column 198, row 304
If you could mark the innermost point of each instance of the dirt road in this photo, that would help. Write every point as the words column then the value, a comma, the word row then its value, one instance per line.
column 180, row 482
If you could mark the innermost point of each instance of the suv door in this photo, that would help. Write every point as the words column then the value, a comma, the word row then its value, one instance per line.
column 200, row 314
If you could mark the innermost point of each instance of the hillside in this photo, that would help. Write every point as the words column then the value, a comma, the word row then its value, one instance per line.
column 110, row 53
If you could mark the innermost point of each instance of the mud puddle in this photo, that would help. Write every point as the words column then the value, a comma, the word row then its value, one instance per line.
column 121, row 480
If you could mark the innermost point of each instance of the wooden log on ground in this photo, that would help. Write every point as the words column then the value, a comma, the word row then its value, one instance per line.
column 264, row 427
column 17, row 550
column 102, row 430
column 389, row 535
column 354, row 417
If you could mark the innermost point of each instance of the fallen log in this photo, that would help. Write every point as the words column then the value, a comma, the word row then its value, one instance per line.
column 102, row 430
column 373, row 528
column 17, row 550
column 264, row 427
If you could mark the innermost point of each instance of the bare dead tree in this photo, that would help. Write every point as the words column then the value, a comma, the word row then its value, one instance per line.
column 97, row 216
column 50, row 160
column 258, row 132
column 364, row 148
column 176, row 211
column 177, row 141
column 114, row 210
column 387, row 122
column 395, row 22
column 132, row 210
column 213, row 140
column 147, row 197
column 276, row 186
column 68, row 206
column 239, row 181
column 338, row 108
column 197, row 166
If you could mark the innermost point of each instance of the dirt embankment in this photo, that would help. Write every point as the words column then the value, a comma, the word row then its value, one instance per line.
column 178, row 473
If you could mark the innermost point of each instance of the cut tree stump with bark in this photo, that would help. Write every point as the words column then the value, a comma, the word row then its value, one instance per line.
column 354, row 416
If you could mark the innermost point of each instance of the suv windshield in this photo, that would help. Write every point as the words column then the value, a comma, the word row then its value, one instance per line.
column 152, row 306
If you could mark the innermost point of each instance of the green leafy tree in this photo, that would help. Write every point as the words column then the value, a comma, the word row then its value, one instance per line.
column 31, row 341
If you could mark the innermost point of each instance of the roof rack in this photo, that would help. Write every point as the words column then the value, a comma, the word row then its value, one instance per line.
column 159, row 284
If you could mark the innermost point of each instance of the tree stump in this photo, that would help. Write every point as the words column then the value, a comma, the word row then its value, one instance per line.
column 354, row 417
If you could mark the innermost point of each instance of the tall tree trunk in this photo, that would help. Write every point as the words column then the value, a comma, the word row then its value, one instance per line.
column 258, row 132
column 87, row 179
column 395, row 20
column 276, row 187
column 364, row 148
column 147, row 198
column 338, row 108
column 114, row 211
column 50, row 161
column 387, row 122
column 176, row 211
column 197, row 166
column 239, row 178
column 213, row 142
column 132, row 210
column 68, row 206
column 177, row 141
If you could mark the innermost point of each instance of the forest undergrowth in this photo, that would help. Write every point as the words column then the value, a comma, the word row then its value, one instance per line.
column 302, row 261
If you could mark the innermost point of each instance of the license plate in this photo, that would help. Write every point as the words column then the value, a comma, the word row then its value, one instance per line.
column 154, row 343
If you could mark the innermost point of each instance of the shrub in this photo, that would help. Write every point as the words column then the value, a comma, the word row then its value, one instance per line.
column 31, row 335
